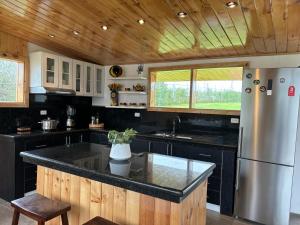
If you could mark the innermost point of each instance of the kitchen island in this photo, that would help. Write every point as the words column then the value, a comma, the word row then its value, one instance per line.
column 147, row 189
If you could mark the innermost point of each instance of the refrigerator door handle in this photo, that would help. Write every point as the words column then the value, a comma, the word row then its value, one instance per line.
column 238, row 167
column 240, row 142
column 237, row 184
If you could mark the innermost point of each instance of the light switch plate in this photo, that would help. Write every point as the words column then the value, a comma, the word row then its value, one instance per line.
column 43, row 112
column 234, row 120
column 137, row 114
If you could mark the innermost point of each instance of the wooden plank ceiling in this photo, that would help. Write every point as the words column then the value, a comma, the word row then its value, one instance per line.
column 254, row 27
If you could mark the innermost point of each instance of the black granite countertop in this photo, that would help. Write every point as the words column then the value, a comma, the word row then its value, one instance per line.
column 228, row 140
column 161, row 176
column 222, row 140
column 39, row 133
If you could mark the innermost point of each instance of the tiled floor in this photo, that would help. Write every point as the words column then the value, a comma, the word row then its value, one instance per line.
column 213, row 218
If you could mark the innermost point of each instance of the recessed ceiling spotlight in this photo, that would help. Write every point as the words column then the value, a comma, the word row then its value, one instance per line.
column 141, row 21
column 75, row 32
column 182, row 14
column 231, row 4
column 104, row 27
column 51, row 35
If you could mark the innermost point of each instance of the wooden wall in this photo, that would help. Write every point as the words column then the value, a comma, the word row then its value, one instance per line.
column 89, row 198
column 14, row 48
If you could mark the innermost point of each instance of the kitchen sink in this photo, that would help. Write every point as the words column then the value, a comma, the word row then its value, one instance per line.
column 170, row 135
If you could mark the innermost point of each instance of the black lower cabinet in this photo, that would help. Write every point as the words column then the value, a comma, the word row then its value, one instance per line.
column 140, row 145
column 159, row 147
column 221, row 184
column 18, row 177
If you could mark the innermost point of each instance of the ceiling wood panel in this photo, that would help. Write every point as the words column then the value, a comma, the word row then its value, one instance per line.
column 254, row 27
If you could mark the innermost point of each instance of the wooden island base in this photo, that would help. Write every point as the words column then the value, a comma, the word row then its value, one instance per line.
column 89, row 198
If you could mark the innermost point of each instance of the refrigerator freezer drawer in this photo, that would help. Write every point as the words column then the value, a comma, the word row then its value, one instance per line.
column 264, row 192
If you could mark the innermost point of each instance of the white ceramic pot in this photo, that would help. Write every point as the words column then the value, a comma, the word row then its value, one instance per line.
column 120, row 151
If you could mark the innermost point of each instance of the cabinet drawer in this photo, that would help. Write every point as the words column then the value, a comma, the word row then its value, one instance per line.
column 213, row 197
column 37, row 144
column 207, row 155
column 160, row 147
column 139, row 145
column 214, row 183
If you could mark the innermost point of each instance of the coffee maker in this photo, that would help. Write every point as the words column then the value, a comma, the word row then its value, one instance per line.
column 71, row 111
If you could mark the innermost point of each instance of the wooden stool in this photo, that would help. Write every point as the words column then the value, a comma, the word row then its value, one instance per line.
column 40, row 209
column 99, row 221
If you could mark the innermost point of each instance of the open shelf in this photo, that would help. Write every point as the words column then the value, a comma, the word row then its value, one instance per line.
column 127, row 78
column 133, row 92
column 126, row 107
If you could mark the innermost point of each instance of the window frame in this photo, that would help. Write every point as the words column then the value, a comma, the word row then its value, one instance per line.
column 25, row 82
column 193, row 69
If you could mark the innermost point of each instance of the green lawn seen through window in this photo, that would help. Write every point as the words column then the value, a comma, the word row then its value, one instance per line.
column 213, row 88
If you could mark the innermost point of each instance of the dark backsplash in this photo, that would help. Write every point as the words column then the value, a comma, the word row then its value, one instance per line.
column 56, row 109
column 152, row 121
column 119, row 119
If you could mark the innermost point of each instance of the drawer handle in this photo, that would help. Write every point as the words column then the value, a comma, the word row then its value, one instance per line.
column 40, row 146
column 205, row 155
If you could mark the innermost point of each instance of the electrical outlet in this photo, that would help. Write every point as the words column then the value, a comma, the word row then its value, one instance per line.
column 43, row 112
column 137, row 114
column 235, row 120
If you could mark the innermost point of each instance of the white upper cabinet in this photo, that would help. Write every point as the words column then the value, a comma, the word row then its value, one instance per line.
column 98, row 81
column 65, row 73
column 78, row 77
column 50, row 70
column 88, row 79
column 43, row 70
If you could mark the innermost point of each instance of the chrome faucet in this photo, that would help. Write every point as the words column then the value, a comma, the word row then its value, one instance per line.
column 177, row 118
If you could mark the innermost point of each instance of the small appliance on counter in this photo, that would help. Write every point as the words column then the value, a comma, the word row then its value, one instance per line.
column 71, row 111
column 49, row 124
column 95, row 123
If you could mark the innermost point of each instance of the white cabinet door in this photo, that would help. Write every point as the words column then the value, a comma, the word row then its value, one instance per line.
column 78, row 77
column 98, row 81
column 65, row 73
column 88, row 79
column 50, row 70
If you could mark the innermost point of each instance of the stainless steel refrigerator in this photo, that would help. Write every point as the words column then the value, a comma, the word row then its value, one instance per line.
column 268, row 131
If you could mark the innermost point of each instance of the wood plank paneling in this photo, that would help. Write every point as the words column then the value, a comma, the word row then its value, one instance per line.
column 90, row 198
column 162, row 212
column 119, row 205
column 147, row 207
column 14, row 48
column 107, row 203
column 85, row 200
column 74, row 200
column 96, row 198
column 132, row 208
column 210, row 29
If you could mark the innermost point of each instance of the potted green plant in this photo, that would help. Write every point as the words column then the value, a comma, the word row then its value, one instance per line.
column 120, row 149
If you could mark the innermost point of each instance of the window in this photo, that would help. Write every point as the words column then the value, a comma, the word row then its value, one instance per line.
column 170, row 89
column 214, row 90
column 12, row 83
